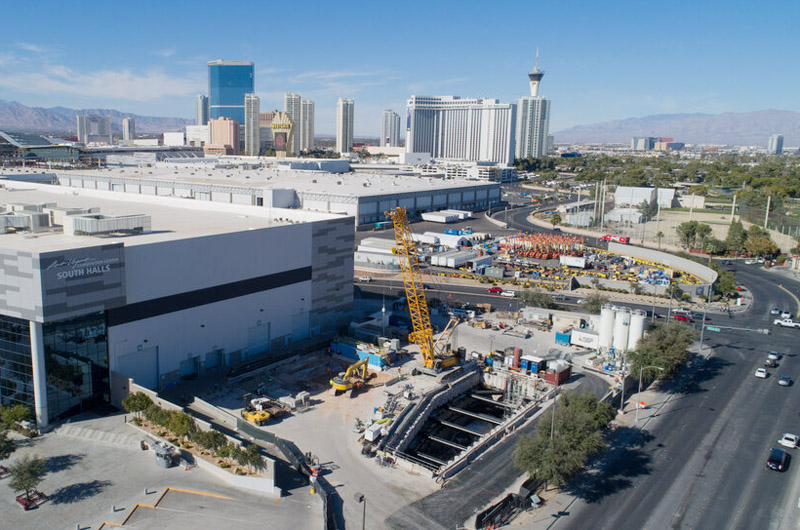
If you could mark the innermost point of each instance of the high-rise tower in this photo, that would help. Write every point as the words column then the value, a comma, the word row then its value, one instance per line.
column 390, row 129
column 306, row 133
column 228, row 82
column 535, row 77
column 201, row 110
column 252, row 133
column 128, row 129
column 344, row 125
column 533, row 119
column 291, row 106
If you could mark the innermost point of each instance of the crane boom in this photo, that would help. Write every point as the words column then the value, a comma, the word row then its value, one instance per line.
column 433, row 353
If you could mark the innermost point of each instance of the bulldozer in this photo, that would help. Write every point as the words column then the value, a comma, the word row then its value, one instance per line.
column 352, row 379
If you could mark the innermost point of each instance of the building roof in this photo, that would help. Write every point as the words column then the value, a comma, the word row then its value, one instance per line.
column 171, row 218
column 303, row 181
column 25, row 139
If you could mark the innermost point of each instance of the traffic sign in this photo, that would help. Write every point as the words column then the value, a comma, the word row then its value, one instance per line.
column 709, row 328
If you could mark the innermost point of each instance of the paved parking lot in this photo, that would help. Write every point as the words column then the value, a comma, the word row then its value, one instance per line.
column 91, row 481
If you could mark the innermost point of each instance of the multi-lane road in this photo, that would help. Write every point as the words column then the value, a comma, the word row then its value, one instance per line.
column 701, row 462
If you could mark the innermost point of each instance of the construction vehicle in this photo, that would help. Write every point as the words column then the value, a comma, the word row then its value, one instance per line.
column 353, row 379
column 260, row 410
column 436, row 354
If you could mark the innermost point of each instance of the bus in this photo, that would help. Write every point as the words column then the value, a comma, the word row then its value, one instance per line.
column 382, row 224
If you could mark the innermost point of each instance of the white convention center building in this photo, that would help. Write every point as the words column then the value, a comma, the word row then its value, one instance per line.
column 95, row 283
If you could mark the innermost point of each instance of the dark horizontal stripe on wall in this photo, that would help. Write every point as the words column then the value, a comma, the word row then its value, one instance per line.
column 200, row 297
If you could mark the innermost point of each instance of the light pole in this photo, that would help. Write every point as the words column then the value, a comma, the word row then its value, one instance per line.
column 638, row 394
column 705, row 310
column 360, row 498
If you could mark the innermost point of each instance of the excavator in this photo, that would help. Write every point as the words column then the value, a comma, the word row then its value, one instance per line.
column 352, row 379
column 436, row 354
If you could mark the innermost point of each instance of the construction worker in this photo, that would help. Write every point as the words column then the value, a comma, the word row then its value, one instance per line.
column 399, row 374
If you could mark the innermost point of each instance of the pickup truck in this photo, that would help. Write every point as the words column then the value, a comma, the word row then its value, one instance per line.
column 786, row 323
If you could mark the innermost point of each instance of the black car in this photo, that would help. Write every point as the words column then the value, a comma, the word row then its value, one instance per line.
column 778, row 459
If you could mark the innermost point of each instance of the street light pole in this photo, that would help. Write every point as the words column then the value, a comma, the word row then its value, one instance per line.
column 638, row 394
column 705, row 310
column 360, row 498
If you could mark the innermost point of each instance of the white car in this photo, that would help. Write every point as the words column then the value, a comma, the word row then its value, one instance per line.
column 774, row 311
column 789, row 440
column 773, row 355
column 749, row 261
column 786, row 314
column 509, row 294
column 760, row 372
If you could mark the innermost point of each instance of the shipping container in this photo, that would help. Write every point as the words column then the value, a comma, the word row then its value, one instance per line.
column 563, row 338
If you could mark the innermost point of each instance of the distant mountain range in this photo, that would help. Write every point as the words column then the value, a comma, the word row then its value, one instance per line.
column 731, row 128
column 17, row 117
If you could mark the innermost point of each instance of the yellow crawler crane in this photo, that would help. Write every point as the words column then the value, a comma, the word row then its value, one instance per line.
column 435, row 354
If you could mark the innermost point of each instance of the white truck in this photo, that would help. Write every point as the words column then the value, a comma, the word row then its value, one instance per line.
column 786, row 323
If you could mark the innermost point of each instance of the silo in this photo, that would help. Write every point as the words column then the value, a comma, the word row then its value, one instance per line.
column 606, row 330
column 622, row 321
column 636, row 330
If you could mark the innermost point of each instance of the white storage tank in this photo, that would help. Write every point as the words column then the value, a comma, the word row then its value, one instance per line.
column 622, row 321
column 636, row 329
column 606, row 325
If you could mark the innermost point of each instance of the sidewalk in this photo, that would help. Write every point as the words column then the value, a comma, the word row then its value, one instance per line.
column 558, row 503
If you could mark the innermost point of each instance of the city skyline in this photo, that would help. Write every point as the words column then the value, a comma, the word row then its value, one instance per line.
column 689, row 62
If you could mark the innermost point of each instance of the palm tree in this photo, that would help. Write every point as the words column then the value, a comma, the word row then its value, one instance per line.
column 659, row 235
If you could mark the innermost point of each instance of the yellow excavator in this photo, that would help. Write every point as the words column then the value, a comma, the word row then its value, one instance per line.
column 436, row 354
column 352, row 379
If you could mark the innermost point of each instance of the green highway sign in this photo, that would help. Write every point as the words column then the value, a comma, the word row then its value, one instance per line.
column 709, row 328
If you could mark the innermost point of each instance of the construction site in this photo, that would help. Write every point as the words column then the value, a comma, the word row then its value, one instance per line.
column 407, row 416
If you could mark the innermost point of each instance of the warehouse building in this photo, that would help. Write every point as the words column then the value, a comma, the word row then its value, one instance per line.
column 363, row 196
column 96, row 283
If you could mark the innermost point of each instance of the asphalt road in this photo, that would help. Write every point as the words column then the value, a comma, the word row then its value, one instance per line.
column 479, row 483
column 701, row 462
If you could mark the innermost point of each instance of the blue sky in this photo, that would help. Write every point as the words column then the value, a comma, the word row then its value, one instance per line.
column 603, row 60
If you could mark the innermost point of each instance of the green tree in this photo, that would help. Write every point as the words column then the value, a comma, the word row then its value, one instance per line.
column 700, row 190
column 253, row 458
column 648, row 209
column 736, row 237
column 555, row 220
column 577, row 433
column 26, row 474
column 136, row 402
column 11, row 416
column 715, row 247
column 687, row 233
column 702, row 235
column 538, row 299
column 181, row 424
column 761, row 246
column 726, row 283
column 659, row 235
column 7, row 445
column 664, row 346
column 594, row 302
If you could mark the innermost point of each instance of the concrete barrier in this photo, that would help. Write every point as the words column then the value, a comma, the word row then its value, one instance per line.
column 706, row 274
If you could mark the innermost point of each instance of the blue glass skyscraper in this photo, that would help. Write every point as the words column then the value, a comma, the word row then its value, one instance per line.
column 228, row 82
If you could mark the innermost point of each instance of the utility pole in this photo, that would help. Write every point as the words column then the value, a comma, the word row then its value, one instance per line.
column 766, row 216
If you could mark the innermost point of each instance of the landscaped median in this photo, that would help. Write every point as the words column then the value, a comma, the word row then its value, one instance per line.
column 226, row 457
